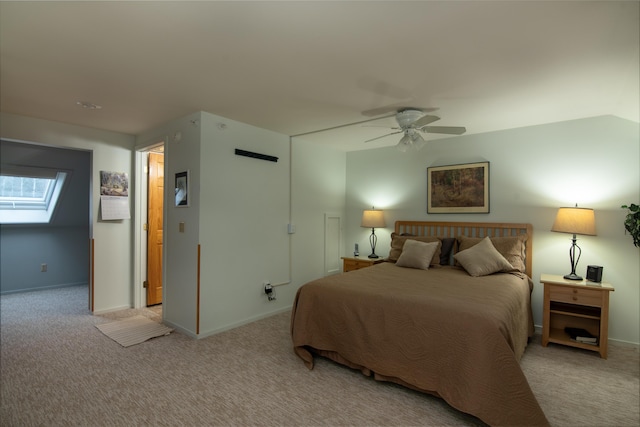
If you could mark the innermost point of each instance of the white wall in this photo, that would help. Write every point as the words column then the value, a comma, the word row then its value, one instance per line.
column 113, row 239
column 593, row 162
column 319, row 187
column 243, row 228
column 534, row 170
column 180, row 251
column 240, row 209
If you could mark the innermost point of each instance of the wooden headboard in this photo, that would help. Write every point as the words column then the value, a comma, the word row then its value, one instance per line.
column 471, row 229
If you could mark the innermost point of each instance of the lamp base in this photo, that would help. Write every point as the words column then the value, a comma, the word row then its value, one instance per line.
column 572, row 276
column 373, row 256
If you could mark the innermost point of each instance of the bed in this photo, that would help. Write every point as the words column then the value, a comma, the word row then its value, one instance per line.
column 455, row 325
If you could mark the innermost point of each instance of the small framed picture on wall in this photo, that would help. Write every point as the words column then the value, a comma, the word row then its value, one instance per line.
column 182, row 189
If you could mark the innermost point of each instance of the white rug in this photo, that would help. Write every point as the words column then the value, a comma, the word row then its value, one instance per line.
column 133, row 330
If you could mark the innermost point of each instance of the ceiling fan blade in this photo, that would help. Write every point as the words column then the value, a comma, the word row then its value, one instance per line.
column 425, row 120
column 452, row 130
column 380, row 126
column 383, row 136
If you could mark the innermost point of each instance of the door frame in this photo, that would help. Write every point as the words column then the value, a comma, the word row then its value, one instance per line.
column 140, row 235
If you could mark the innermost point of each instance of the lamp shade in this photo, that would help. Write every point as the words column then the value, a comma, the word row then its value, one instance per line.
column 372, row 218
column 575, row 221
column 405, row 143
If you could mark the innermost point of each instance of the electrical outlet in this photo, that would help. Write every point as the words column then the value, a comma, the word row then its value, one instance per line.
column 43, row 268
column 268, row 289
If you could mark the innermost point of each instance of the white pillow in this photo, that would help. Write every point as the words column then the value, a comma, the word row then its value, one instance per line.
column 417, row 254
column 482, row 259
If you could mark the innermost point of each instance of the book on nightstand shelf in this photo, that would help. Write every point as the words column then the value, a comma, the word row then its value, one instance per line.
column 581, row 335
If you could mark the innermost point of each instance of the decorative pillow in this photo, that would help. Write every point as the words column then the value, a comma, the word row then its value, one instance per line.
column 397, row 242
column 446, row 249
column 512, row 248
column 416, row 254
column 482, row 259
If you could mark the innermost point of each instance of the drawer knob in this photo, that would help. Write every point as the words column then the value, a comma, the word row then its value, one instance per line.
column 575, row 298
column 575, row 291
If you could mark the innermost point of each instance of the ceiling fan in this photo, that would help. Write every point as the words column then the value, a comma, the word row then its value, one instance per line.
column 412, row 122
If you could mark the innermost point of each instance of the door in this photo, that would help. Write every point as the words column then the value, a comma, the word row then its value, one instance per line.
column 154, row 228
column 332, row 242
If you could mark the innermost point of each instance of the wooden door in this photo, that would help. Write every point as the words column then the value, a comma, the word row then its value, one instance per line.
column 154, row 228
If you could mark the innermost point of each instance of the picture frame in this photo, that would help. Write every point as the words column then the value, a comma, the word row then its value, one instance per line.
column 462, row 188
column 182, row 189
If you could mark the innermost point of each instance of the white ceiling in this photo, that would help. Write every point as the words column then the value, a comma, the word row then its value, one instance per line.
column 299, row 66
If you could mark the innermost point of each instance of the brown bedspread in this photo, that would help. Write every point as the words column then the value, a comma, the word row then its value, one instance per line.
column 439, row 331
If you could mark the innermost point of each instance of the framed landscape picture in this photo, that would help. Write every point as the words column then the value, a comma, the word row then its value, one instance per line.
column 458, row 188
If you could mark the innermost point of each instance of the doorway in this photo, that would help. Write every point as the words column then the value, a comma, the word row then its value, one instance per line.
column 155, row 215
column 64, row 242
column 149, row 223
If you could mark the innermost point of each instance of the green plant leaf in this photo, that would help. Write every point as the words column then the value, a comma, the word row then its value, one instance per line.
column 632, row 222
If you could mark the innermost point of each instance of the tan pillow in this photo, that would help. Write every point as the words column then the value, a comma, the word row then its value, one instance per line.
column 397, row 243
column 512, row 248
column 417, row 254
column 482, row 259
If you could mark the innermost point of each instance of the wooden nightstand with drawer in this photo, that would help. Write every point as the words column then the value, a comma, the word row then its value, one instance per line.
column 350, row 264
column 575, row 304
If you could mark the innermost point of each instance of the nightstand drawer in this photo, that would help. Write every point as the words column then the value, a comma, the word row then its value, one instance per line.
column 575, row 295
column 350, row 264
column 356, row 264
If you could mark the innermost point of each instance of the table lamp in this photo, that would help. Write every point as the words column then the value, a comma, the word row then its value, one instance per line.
column 575, row 221
column 372, row 218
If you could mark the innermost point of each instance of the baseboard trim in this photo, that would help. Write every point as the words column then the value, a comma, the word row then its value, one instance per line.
column 243, row 322
column 538, row 331
column 111, row 310
column 43, row 288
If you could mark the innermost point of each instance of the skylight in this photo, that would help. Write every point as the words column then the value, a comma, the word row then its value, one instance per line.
column 29, row 195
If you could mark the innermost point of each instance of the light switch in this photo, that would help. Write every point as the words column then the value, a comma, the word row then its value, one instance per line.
column 181, row 227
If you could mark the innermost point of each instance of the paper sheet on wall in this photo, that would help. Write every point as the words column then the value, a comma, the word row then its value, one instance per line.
column 114, row 195
column 114, row 207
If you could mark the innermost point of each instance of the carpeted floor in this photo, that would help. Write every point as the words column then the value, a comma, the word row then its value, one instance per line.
column 58, row 369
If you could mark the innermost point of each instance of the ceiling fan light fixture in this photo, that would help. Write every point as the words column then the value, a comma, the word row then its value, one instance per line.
column 405, row 143
column 417, row 140
column 410, row 140
column 411, row 123
column 406, row 118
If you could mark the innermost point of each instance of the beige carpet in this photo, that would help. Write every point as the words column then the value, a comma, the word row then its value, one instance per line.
column 57, row 369
column 133, row 330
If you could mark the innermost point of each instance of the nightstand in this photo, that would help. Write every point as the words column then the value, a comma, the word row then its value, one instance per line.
column 577, row 304
column 350, row 264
